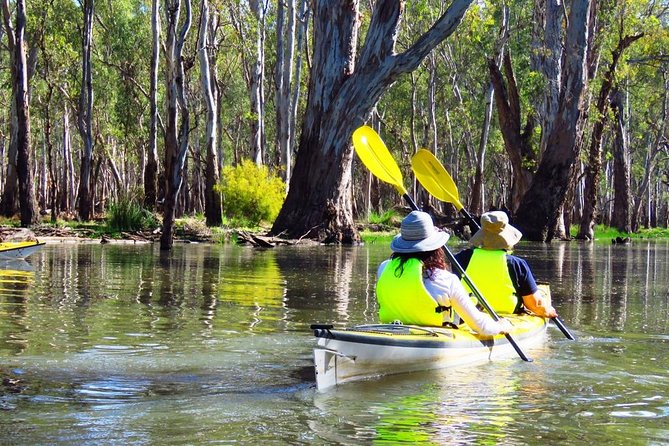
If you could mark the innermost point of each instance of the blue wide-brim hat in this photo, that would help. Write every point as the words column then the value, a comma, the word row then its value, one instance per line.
column 418, row 234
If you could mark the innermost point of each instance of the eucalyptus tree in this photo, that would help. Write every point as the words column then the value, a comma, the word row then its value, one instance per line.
column 477, row 198
column 594, row 165
column 55, row 89
column 342, row 94
column 208, row 82
column 283, row 76
column 19, row 70
column 151, row 167
column 621, row 218
column 247, row 22
column 85, row 112
column 178, row 114
column 540, row 209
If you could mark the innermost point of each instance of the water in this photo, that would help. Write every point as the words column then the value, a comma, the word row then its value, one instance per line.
column 120, row 344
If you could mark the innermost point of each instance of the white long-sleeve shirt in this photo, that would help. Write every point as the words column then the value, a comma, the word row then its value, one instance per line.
column 446, row 289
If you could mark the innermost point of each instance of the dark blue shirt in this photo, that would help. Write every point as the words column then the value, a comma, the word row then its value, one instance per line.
column 519, row 271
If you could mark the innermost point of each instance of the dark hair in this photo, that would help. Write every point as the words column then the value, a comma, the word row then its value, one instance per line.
column 431, row 260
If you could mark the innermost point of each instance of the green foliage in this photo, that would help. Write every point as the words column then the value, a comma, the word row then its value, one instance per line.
column 605, row 233
column 376, row 238
column 127, row 215
column 250, row 193
column 387, row 218
column 654, row 233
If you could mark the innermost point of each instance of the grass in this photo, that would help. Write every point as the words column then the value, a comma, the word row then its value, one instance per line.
column 376, row 237
column 606, row 233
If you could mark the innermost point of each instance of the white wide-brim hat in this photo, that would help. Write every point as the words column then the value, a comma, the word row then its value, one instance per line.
column 418, row 234
column 496, row 232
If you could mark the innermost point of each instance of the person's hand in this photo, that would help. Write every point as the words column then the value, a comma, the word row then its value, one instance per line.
column 550, row 312
column 505, row 326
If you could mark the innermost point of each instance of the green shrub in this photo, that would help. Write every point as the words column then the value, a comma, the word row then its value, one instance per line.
column 387, row 218
column 250, row 193
column 127, row 215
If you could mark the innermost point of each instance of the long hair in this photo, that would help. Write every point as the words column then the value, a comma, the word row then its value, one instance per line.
column 431, row 260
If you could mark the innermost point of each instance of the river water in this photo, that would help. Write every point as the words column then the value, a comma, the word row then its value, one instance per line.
column 120, row 344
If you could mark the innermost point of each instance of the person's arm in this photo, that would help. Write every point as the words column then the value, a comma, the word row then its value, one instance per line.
column 459, row 299
column 534, row 299
column 539, row 303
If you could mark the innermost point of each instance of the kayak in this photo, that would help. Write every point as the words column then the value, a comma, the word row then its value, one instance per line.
column 367, row 351
column 19, row 250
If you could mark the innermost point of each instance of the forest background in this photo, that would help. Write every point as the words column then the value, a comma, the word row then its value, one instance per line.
column 555, row 111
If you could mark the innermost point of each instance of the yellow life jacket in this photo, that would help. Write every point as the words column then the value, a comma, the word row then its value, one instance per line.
column 489, row 272
column 404, row 297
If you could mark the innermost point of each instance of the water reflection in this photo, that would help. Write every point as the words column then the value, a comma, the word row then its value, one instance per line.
column 210, row 344
column 474, row 405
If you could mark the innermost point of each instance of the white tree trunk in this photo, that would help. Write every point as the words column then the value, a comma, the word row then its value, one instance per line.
column 286, row 19
column 212, row 201
column 258, row 85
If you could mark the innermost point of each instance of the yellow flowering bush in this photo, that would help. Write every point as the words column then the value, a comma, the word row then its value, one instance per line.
column 251, row 193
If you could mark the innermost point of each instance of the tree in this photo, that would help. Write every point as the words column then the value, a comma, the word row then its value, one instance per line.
column 540, row 208
column 594, row 166
column 477, row 195
column 342, row 95
column 151, row 168
column 85, row 115
column 19, row 69
column 517, row 138
column 285, row 30
column 178, row 114
column 621, row 218
column 212, row 207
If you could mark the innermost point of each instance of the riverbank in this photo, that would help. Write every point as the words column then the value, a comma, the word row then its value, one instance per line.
column 195, row 231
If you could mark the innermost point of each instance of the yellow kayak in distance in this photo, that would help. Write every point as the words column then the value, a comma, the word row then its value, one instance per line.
column 19, row 250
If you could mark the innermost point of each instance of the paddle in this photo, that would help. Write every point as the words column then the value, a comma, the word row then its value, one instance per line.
column 375, row 156
column 436, row 180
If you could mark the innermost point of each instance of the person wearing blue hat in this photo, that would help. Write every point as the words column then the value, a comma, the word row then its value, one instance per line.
column 415, row 286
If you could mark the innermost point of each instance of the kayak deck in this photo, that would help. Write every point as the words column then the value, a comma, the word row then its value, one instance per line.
column 365, row 351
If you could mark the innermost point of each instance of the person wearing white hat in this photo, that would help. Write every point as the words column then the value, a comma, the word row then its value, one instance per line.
column 414, row 286
column 505, row 280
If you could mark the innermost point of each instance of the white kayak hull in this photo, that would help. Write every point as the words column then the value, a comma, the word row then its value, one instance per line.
column 368, row 351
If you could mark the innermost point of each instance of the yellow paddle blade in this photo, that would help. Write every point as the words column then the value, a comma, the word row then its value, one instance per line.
column 375, row 156
column 434, row 178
